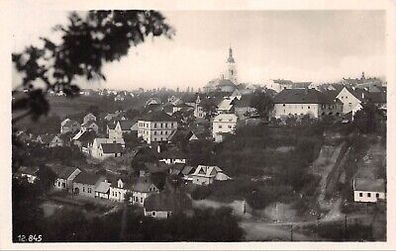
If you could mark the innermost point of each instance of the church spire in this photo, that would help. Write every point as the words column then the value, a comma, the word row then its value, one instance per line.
column 230, row 58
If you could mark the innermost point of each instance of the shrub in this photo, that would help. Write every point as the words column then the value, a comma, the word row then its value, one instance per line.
column 201, row 193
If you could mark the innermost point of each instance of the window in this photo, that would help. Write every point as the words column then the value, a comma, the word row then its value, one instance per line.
column 162, row 125
column 59, row 184
column 84, row 189
column 89, row 190
column 309, row 107
column 229, row 126
column 377, row 195
column 153, row 213
column 220, row 126
column 64, row 184
column 369, row 195
column 360, row 194
column 155, row 125
column 141, row 200
column 284, row 105
column 155, row 132
column 166, row 132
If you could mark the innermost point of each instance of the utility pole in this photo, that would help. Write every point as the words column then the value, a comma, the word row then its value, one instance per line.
column 345, row 227
column 291, row 232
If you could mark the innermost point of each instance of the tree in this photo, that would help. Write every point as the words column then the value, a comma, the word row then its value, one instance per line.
column 368, row 118
column 263, row 103
column 87, row 43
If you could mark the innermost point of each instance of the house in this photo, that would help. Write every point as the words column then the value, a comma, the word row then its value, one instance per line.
column 90, row 125
column 172, row 156
column 205, row 175
column 107, row 150
column 119, row 188
column 141, row 189
column 85, row 183
column 199, row 109
column 56, row 141
column 223, row 124
column 225, row 106
column 83, row 140
column 156, row 126
column 89, row 117
column 69, row 125
column 44, row 139
column 368, row 190
column 120, row 127
column 96, row 150
column 243, row 107
column 102, row 189
column 28, row 172
column 300, row 102
column 152, row 101
column 164, row 204
column 65, row 178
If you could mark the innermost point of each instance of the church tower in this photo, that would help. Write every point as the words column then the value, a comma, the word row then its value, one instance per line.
column 231, row 68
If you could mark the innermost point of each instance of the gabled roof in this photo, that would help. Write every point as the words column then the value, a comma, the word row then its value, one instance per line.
column 68, row 122
column 126, row 124
column 301, row 96
column 31, row 170
column 89, row 123
column 87, row 178
column 167, row 201
column 245, row 101
column 173, row 153
column 362, row 184
column 66, row 172
column 87, row 136
column 142, row 184
column 112, row 147
column 102, row 187
column 157, row 116
column 207, row 171
column 226, row 118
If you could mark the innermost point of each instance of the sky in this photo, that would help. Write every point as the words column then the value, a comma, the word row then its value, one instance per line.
column 316, row 45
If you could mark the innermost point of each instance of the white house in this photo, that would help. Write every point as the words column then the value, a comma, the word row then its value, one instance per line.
column 97, row 151
column 89, row 117
column 90, row 125
column 69, row 125
column 164, row 204
column 85, row 184
column 224, row 124
column 119, row 189
column 156, row 127
column 368, row 190
column 122, row 126
column 65, row 177
column 141, row 189
column 300, row 102
column 205, row 175
column 28, row 172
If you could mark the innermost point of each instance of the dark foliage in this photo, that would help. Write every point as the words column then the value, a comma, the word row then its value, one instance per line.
column 87, row 42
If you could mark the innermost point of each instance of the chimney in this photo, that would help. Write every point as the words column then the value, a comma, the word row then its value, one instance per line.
column 362, row 95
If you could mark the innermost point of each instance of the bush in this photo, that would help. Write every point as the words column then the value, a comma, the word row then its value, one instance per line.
column 201, row 193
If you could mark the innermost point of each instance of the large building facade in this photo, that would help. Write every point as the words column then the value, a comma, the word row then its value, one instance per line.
column 156, row 127
column 223, row 124
column 300, row 102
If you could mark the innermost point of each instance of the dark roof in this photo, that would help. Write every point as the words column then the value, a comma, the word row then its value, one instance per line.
column 173, row 153
column 362, row 184
column 245, row 101
column 87, row 178
column 87, row 137
column 157, row 116
column 126, row 124
column 301, row 96
column 331, row 94
column 66, row 172
column 142, row 184
column 32, row 170
column 112, row 147
column 167, row 201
